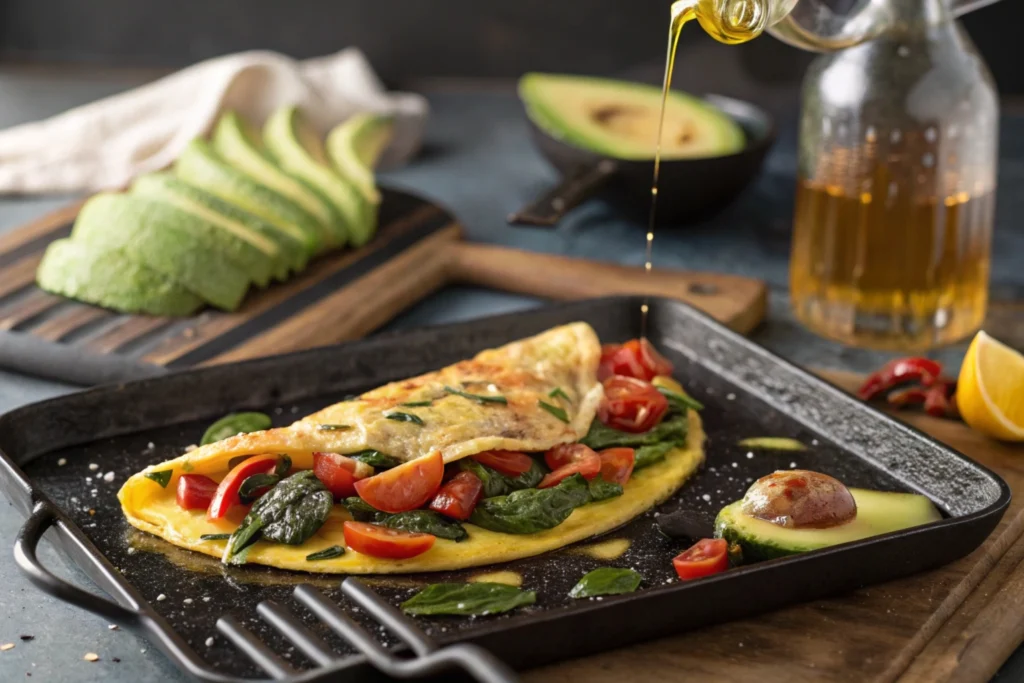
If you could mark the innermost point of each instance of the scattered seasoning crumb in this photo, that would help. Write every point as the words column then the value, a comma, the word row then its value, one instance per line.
column 814, row 442
column 116, row 660
column 74, row 499
column 91, row 657
column 730, row 397
column 209, row 642
column 750, row 455
column 26, row 637
column 150, row 446
column 206, row 598
column 741, row 644
column 161, row 597
column 6, row 646
column 93, row 466
column 91, row 512
column 88, row 480
column 108, row 477
column 706, row 497
column 62, row 462
column 188, row 601
column 735, row 464
column 113, row 627
column 295, row 409
column 131, row 550
column 143, row 650
column 792, row 465
column 278, row 410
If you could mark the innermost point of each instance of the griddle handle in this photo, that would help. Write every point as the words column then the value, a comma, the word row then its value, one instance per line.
column 42, row 518
column 574, row 189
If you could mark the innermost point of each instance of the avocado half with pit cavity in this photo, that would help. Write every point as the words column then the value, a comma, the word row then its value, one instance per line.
column 619, row 119
column 797, row 511
column 297, row 148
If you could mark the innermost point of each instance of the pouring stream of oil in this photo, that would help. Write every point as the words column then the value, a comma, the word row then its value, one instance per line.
column 730, row 22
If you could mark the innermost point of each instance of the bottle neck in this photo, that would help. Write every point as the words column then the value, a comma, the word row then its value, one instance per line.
column 919, row 12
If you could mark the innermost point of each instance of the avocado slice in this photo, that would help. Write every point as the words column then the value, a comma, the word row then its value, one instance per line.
column 878, row 512
column 200, row 166
column 297, row 148
column 288, row 251
column 354, row 148
column 108, row 278
column 240, row 145
column 158, row 236
column 619, row 119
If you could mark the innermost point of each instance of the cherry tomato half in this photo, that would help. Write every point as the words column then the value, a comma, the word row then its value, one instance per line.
column 405, row 487
column 617, row 464
column 339, row 474
column 631, row 405
column 227, row 492
column 636, row 358
column 708, row 556
column 459, row 496
column 195, row 491
column 568, row 459
column 509, row 463
column 380, row 541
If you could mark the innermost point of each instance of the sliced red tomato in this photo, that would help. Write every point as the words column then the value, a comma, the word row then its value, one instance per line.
column 380, row 541
column 569, row 459
column 631, row 405
column 708, row 556
column 509, row 463
column 227, row 492
column 459, row 496
column 617, row 464
column 195, row 491
column 405, row 487
column 636, row 358
column 338, row 473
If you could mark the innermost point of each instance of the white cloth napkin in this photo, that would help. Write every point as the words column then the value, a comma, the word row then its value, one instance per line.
column 104, row 144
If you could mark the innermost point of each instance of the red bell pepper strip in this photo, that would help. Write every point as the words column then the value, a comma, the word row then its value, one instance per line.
column 908, row 396
column 923, row 371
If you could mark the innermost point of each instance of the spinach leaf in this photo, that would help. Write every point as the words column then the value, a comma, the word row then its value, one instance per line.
column 326, row 553
column 251, row 487
column 467, row 599
column 417, row 521
column 423, row 522
column 375, row 459
column 284, row 465
column 290, row 513
column 532, row 510
column 235, row 423
column 601, row 436
column 603, row 490
column 680, row 403
column 648, row 455
column 163, row 477
column 606, row 581
column 214, row 537
column 497, row 484
column 555, row 410
column 479, row 398
column 404, row 417
column 360, row 510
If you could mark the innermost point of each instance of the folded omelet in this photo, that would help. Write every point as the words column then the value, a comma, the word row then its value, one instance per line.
column 500, row 399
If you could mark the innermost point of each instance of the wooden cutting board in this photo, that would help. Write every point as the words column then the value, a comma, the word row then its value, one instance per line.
column 957, row 623
column 418, row 250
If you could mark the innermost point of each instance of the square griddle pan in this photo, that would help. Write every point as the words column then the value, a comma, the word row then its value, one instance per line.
column 747, row 391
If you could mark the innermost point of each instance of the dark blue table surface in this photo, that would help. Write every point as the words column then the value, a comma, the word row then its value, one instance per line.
column 478, row 162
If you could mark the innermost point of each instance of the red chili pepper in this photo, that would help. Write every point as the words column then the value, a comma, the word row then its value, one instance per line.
column 909, row 396
column 938, row 401
column 921, row 370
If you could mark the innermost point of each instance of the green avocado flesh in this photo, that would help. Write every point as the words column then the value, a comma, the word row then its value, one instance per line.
column 200, row 166
column 354, row 148
column 297, row 148
column 241, row 146
column 164, row 239
column 287, row 251
column 878, row 513
column 620, row 118
column 110, row 279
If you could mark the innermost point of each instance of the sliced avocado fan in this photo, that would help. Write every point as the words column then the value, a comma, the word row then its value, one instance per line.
column 620, row 118
column 297, row 148
column 200, row 166
column 288, row 251
column 159, row 236
column 111, row 279
column 354, row 148
column 240, row 145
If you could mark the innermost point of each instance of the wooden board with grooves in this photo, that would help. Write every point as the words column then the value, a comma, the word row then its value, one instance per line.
column 418, row 250
column 957, row 623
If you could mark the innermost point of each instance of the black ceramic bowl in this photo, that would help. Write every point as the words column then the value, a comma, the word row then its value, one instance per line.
column 689, row 189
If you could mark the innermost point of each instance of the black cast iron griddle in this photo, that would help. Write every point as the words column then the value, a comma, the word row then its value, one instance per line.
column 748, row 392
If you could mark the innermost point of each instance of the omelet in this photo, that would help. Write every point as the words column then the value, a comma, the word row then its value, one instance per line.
column 527, row 396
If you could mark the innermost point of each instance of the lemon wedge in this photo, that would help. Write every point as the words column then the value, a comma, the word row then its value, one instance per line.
column 990, row 390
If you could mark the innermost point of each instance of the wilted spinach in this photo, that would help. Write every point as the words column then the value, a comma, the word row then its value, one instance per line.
column 290, row 513
column 375, row 459
column 603, row 490
column 497, row 484
column 416, row 521
column 600, row 436
column 235, row 423
column 532, row 510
